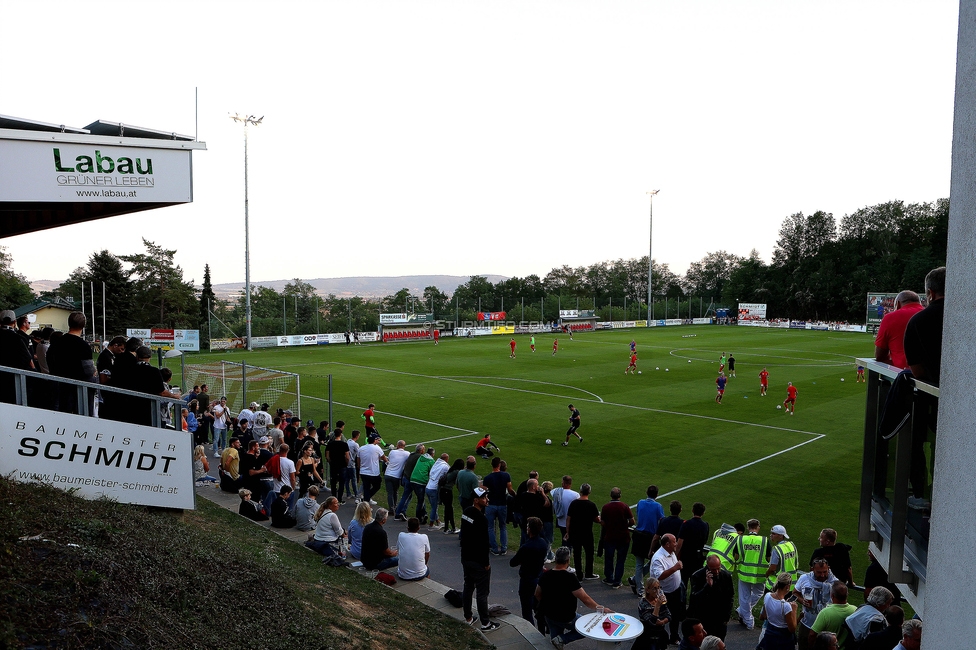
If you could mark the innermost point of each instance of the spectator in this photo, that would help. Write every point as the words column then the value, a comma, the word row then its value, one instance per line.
column 189, row 417
column 305, row 508
column 250, row 509
column 752, row 549
column 616, row 519
column 362, row 518
column 531, row 503
column 43, row 345
column 692, row 633
column 306, row 471
column 418, row 482
column 446, row 496
column 548, row 518
column 712, row 592
column 337, row 455
column 201, row 467
column 812, row 590
column 561, row 498
column 581, row 516
column 13, row 353
column 868, row 618
column 649, row 514
column 825, row 641
column 350, row 475
column 713, row 642
column 911, row 631
column 432, row 489
column 780, row 616
column 669, row 525
column 281, row 516
column 248, row 413
column 328, row 530
column 783, row 557
column 230, row 464
column 474, row 560
column 666, row 567
column 408, row 466
column 831, row 618
column 838, row 556
column 71, row 357
column 376, row 552
column 394, row 472
column 282, row 472
column 889, row 344
column 499, row 486
column 557, row 592
column 923, row 334
column 652, row 609
column 467, row 481
column 876, row 576
column 530, row 559
column 890, row 636
column 221, row 418
column 413, row 549
column 692, row 538
column 252, row 471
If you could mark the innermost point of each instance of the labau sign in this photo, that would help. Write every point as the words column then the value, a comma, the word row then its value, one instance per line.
column 102, row 164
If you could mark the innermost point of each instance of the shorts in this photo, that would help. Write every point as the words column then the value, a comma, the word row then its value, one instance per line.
column 721, row 391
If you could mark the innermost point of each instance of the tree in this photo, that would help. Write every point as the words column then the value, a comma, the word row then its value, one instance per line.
column 14, row 289
column 208, row 301
column 708, row 276
column 436, row 301
column 161, row 297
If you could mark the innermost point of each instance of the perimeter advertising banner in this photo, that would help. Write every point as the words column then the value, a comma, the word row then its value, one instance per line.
column 98, row 458
column 491, row 315
column 879, row 304
column 752, row 311
column 80, row 173
column 405, row 319
column 577, row 313
column 186, row 340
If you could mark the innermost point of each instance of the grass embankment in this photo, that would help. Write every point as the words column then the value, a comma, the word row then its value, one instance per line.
column 97, row 574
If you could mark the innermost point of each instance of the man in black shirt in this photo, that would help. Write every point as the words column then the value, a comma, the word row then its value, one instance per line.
column 145, row 378
column 530, row 559
column 710, row 597
column 669, row 525
column 71, row 357
column 474, row 560
column 692, row 538
column 337, row 455
column 580, row 517
column 13, row 353
column 280, row 516
column 557, row 592
column 376, row 553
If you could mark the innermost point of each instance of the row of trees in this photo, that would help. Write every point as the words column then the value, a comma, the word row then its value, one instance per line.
column 819, row 270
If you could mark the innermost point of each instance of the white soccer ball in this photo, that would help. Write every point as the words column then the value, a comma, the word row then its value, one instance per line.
column 548, row 441
column 689, row 360
column 779, row 406
column 639, row 372
column 842, row 379
column 658, row 368
column 667, row 370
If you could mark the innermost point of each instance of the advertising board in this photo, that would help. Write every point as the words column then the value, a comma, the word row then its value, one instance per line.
column 752, row 311
column 405, row 319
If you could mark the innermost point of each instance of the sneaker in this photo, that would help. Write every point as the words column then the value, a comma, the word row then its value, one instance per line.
column 400, row 517
column 616, row 585
column 469, row 621
column 607, row 581
column 565, row 444
column 372, row 503
column 592, row 577
column 216, row 454
column 557, row 642
column 581, row 439
column 489, row 626
column 633, row 584
column 497, row 553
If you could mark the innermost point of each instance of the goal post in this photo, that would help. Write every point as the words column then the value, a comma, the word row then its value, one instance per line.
column 242, row 384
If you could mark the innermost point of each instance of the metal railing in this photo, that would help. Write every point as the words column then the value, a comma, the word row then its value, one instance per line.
column 898, row 532
column 35, row 389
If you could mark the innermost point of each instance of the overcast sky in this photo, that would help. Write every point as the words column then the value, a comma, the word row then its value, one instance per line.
column 491, row 137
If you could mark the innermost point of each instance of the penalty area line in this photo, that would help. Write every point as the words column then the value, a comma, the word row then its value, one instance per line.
column 467, row 432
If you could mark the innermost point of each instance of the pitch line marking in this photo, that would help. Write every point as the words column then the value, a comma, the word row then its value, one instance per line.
column 404, row 417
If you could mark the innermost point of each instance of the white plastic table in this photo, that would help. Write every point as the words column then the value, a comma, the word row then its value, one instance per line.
column 622, row 627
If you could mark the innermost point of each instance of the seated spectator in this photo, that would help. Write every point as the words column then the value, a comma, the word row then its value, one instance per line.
column 281, row 517
column 362, row 518
column 305, row 509
column 230, row 463
column 191, row 422
column 250, row 509
column 328, row 530
column 414, row 552
column 201, row 466
column 376, row 552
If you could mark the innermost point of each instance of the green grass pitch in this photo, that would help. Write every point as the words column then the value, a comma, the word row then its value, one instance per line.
column 742, row 459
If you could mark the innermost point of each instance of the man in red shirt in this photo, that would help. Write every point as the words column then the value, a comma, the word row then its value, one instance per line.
column 616, row 519
column 763, row 382
column 555, row 346
column 483, row 444
column 889, row 345
column 632, row 368
column 790, row 401
column 512, row 345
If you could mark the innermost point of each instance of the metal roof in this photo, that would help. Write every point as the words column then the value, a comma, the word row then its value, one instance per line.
column 22, row 124
column 103, row 127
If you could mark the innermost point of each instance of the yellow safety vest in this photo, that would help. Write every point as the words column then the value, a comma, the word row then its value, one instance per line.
column 752, row 551
column 790, row 564
column 724, row 545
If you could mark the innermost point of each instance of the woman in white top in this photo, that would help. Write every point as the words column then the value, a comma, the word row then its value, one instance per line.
column 201, row 466
column 328, row 530
column 779, row 631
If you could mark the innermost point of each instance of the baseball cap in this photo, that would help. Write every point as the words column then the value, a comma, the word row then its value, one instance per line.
column 7, row 317
column 480, row 491
column 780, row 530
column 263, row 440
column 310, row 423
column 254, row 405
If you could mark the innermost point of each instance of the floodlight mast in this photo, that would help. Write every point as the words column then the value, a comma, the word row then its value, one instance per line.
column 650, row 258
column 246, row 120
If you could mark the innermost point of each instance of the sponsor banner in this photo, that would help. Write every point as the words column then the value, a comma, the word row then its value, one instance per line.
column 298, row 339
column 97, row 458
column 674, row 321
column 577, row 313
column 603, row 325
column 701, row 321
column 162, row 336
column 782, row 324
column 880, row 304
column 472, row 331
column 405, row 319
column 753, row 323
column 167, row 339
column 264, row 342
column 798, row 324
column 227, row 344
column 93, row 173
column 187, row 340
column 752, row 311
column 491, row 315
column 640, row 323
column 503, row 328
column 624, row 324
column 139, row 334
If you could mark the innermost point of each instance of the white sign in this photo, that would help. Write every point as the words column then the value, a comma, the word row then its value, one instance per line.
column 390, row 319
column 752, row 311
column 98, row 458
column 93, row 173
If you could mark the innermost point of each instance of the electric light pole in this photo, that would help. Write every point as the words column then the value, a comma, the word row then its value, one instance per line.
column 650, row 258
column 247, row 120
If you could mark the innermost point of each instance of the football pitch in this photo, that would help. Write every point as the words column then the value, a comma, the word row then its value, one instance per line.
column 744, row 458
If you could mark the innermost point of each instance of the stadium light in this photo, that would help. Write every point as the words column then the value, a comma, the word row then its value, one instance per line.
column 650, row 257
column 246, row 120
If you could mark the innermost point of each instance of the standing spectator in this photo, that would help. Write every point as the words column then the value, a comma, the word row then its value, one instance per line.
column 752, row 549
column 71, row 357
column 561, row 498
column 812, row 590
column 474, row 560
column 337, row 455
column 467, row 481
column 413, row 549
column 692, row 538
column 530, row 559
column 394, row 471
column 532, row 503
column 669, row 525
column 876, row 576
column 889, row 344
column 221, row 419
column 547, row 519
column 307, row 474
column 580, row 518
column 408, row 466
column 350, row 475
column 652, row 609
column 557, row 593
column 838, row 556
column 499, row 485
column 666, row 568
column 282, row 472
column 783, row 558
column 446, row 495
column 831, row 618
column 617, row 519
column 362, row 518
column 281, row 516
column 868, row 618
column 376, row 553
column 923, row 334
column 370, row 456
column 710, row 600
column 418, row 482
column 649, row 514
column 780, row 616
column 433, row 489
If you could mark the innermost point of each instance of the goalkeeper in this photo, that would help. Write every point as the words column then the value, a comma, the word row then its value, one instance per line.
column 482, row 448
column 369, row 418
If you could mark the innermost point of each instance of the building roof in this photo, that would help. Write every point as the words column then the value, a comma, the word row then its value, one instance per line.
column 41, row 303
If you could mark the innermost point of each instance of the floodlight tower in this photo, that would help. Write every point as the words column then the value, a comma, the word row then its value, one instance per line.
column 650, row 257
column 247, row 120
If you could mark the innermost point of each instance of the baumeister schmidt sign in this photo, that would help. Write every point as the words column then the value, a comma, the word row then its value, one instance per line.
column 98, row 458
column 79, row 173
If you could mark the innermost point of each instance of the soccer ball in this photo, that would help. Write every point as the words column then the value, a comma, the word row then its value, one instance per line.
column 667, row 370
column 842, row 379
column 779, row 406
column 689, row 360
column 658, row 368
column 639, row 372
column 548, row 441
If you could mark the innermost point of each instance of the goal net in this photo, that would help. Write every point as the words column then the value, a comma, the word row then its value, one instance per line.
column 242, row 384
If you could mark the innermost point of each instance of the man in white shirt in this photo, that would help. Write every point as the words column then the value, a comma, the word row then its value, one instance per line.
column 394, row 471
column 262, row 422
column 248, row 413
column 439, row 469
column 369, row 469
column 285, row 477
column 666, row 567
column 220, row 416
column 351, row 473
column 414, row 552
column 561, row 498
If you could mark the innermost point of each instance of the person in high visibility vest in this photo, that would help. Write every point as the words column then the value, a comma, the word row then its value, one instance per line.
column 752, row 549
column 783, row 556
column 724, row 546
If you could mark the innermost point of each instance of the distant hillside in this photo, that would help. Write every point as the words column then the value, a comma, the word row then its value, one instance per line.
column 363, row 286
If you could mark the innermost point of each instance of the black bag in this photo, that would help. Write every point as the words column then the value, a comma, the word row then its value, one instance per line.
column 454, row 597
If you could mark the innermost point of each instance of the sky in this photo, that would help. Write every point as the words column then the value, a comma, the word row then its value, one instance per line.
column 462, row 138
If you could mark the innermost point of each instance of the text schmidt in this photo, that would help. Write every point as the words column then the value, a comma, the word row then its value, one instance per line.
column 57, row 450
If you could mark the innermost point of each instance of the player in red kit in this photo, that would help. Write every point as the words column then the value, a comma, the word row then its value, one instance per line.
column 763, row 382
column 632, row 368
column 790, row 402
column 555, row 346
column 512, row 345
